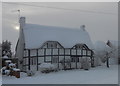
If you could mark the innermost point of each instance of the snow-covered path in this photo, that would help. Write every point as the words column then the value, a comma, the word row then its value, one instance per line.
column 97, row 75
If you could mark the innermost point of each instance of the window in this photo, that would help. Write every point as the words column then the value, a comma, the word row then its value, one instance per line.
column 47, row 59
column 74, row 59
column 55, row 59
column 88, row 52
column 84, row 52
column 52, row 45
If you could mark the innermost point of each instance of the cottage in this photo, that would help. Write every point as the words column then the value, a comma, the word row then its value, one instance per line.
column 49, row 44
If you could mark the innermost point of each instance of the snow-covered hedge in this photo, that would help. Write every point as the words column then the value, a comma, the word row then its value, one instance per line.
column 85, row 63
column 101, row 50
column 7, row 72
column 47, row 67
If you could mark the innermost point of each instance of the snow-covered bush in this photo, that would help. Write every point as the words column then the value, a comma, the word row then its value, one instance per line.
column 3, row 70
column 101, row 48
column 7, row 72
column 48, row 67
column 30, row 73
column 67, row 61
column 12, row 65
column 114, row 56
column 85, row 63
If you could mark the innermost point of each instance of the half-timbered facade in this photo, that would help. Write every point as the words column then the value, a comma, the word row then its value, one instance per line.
column 60, row 46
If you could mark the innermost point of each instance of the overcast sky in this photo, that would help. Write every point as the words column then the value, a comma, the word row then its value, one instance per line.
column 101, row 25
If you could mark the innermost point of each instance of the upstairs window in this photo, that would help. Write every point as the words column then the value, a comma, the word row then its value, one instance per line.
column 52, row 45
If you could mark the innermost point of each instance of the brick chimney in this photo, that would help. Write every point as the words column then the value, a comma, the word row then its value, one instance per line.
column 22, row 22
column 82, row 27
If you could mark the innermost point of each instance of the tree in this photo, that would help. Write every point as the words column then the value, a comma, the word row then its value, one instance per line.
column 6, row 48
column 103, row 52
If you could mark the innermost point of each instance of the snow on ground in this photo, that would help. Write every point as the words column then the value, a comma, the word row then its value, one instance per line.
column 97, row 75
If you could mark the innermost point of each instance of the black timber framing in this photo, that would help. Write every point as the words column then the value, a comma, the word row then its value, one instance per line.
column 64, row 59
column 37, row 58
column 76, row 59
column 92, row 59
column 58, row 55
column 45, row 55
column 51, row 55
column 28, row 59
column 58, row 58
column 70, row 58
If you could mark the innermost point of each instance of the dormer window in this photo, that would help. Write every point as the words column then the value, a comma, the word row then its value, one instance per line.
column 52, row 45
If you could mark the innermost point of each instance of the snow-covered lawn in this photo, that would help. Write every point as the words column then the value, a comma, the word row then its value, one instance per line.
column 97, row 75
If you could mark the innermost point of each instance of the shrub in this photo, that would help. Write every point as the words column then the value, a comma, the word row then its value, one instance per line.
column 85, row 64
column 67, row 61
column 48, row 67
column 30, row 73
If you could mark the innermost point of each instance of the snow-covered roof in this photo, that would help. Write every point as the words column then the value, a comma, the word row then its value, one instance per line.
column 36, row 35
column 115, row 43
column 101, row 46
